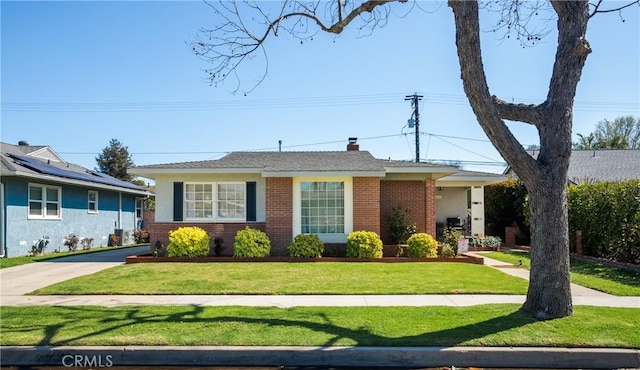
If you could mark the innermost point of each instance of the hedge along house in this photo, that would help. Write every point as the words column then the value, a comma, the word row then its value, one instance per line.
column 288, row 193
column 42, row 195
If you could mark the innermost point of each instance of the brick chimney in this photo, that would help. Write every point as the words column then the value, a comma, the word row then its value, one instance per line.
column 353, row 145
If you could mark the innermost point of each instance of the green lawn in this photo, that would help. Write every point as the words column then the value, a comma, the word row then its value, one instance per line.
column 612, row 280
column 486, row 325
column 23, row 260
column 293, row 278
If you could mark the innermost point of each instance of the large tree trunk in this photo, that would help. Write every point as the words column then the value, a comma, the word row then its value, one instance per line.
column 549, row 294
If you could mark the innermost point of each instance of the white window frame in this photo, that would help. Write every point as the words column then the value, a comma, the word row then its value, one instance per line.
column 89, row 201
column 44, row 202
column 348, row 207
column 139, row 215
column 215, row 201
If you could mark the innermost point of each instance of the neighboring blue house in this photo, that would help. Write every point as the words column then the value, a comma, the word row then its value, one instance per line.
column 42, row 195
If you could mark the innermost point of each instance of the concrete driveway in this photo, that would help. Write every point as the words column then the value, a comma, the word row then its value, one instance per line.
column 19, row 280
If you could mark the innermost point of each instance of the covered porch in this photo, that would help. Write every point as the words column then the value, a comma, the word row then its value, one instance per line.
column 460, row 201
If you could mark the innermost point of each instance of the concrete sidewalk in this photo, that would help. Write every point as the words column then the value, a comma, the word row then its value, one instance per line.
column 576, row 290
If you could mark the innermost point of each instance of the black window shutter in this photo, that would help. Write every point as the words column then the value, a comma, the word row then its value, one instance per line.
column 178, row 188
column 251, row 201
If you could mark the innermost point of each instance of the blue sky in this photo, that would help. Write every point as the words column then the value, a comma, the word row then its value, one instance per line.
column 76, row 74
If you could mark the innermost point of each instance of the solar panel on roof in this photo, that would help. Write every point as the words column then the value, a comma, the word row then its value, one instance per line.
column 89, row 176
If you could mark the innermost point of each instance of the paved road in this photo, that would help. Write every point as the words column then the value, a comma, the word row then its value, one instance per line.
column 20, row 280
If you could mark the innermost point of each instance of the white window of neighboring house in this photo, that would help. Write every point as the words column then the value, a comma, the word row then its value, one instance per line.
column 139, row 207
column 93, row 201
column 45, row 201
column 215, row 201
column 139, row 212
column 322, row 207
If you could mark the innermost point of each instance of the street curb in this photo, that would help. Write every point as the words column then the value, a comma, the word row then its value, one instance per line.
column 102, row 356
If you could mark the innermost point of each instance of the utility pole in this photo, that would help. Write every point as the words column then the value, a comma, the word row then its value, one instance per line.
column 415, row 98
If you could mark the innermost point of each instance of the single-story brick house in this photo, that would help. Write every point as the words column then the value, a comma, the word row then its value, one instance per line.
column 325, row 193
column 41, row 194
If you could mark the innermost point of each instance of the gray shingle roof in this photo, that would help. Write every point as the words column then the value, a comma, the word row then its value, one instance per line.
column 345, row 161
column 601, row 165
column 604, row 165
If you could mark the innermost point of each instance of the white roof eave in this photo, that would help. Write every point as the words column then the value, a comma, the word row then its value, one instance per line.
column 323, row 174
column 150, row 172
column 484, row 180
column 411, row 169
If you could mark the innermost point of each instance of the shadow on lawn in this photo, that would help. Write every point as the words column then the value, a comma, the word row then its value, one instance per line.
column 364, row 337
column 615, row 274
column 113, row 321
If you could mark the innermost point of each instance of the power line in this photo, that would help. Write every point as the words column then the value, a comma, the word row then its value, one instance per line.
column 276, row 103
column 248, row 150
column 438, row 136
column 456, row 137
column 477, row 163
column 490, row 162
column 465, row 149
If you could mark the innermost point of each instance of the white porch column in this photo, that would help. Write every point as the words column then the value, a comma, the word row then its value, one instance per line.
column 477, row 210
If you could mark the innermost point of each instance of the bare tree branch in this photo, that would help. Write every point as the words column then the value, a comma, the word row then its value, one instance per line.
column 596, row 8
column 516, row 18
column 233, row 41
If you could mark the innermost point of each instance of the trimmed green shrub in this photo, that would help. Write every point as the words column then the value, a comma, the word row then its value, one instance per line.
column 400, row 228
column 504, row 206
column 447, row 252
column 364, row 244
column 306, row 245
column 608, row 213
column 422, row 245
column 451, row 238
column 188, row 241
column 251, row 243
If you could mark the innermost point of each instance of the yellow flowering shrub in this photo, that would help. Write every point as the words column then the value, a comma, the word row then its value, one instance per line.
column 188, row 242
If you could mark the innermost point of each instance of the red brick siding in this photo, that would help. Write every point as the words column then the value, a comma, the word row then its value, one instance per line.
column 279, row 213
column 430, row 211
column 366, row 204
column 148, row 217
column 159, row 231
column 417, row 196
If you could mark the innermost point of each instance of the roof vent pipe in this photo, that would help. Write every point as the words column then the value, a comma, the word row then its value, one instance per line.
column 23, row 143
